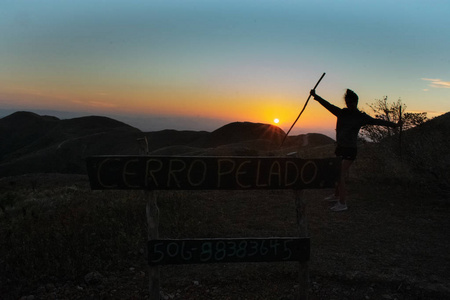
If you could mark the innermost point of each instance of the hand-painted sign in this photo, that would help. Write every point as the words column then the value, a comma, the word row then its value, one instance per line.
column 198, row 251
column 205, row 173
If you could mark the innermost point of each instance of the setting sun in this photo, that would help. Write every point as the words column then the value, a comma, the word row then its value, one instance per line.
column 276, row 121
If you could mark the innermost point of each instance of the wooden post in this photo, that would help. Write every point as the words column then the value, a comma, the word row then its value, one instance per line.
column 152, row 211
column 143, row 145
column 303, row 272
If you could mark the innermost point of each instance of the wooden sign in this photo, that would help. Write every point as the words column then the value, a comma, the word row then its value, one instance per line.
column 205, row 173
column 199, row 251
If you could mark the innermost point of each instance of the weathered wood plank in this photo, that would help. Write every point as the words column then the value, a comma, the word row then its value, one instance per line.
column 206, row 173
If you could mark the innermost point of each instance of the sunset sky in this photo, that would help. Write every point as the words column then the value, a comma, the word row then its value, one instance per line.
column 198, row 65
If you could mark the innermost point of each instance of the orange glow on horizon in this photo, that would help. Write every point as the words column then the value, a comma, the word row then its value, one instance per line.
column 183, row 102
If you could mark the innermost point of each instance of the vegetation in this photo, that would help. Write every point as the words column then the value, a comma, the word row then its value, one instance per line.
column 393, row 112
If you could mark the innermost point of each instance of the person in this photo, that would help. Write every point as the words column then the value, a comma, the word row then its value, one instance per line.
column 349, row 122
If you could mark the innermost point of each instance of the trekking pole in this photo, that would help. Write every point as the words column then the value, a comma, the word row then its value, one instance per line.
column 306, row 103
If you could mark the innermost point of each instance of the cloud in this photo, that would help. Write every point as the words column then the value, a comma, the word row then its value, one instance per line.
column 438, row 83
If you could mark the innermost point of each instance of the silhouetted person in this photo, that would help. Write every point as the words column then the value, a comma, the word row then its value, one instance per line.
column 349, row 122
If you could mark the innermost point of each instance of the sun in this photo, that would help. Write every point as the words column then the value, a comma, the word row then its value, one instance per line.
column 276, row 121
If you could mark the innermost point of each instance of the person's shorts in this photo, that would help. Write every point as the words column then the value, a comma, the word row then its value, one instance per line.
column 348, row 153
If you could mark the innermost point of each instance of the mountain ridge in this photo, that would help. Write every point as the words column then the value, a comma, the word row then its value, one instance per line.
column 32, row 143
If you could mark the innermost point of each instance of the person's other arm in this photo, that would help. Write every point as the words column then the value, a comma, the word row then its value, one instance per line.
column 380, row 122
column 330, row 107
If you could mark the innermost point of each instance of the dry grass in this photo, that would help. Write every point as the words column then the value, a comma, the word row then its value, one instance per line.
column 388, row 242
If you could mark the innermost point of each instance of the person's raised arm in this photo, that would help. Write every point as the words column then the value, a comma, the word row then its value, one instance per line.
column 330, row 107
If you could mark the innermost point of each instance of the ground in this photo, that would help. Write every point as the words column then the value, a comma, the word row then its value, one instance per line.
column 392, row 243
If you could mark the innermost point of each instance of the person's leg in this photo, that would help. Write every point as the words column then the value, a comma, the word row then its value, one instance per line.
column 345, row 166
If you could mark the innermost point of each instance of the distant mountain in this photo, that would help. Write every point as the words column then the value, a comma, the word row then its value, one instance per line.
column 245, row 131
column 21, row 130
column 170, row 137
column 31, row 143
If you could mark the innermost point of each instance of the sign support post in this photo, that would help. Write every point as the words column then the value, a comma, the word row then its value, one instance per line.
column 152, row 212
column 303, row 272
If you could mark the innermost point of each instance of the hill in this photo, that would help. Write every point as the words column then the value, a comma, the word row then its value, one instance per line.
column 245, row 131
column 420, row 157
column 30, row 143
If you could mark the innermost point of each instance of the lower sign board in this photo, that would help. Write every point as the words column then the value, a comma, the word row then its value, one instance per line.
column 198, row 173
column 199, row 251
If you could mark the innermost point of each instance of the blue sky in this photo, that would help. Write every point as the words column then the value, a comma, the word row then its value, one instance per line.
column 199, row 64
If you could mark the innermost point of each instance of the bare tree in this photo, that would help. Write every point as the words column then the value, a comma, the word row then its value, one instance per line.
column 393, row 112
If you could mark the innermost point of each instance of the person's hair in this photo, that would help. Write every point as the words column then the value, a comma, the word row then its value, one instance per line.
column 350, row 96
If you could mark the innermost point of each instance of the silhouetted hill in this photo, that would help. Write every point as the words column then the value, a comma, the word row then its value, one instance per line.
column 30, row 143
column 23, row 133
column 170, row 137
column 426, row 148
column 244, row 131
column 308, row 140
column 420, row 157
column 21, row 129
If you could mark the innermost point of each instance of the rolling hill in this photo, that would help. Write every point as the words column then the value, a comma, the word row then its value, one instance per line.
column 31, row 143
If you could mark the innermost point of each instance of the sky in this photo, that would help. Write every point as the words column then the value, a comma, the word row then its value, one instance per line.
column 198, row 65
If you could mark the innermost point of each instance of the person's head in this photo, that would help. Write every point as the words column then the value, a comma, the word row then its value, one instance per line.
column 351, row 99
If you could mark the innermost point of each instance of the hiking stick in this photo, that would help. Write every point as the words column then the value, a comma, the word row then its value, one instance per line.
column 306, row 103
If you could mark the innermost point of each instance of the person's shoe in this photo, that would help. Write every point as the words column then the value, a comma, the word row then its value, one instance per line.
column 331, row 198
column 339, row 207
